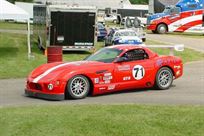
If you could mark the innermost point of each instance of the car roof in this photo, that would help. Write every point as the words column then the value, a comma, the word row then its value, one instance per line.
column 127, row 47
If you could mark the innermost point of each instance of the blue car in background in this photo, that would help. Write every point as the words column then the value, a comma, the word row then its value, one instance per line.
column 101, row 31
column 122, row 36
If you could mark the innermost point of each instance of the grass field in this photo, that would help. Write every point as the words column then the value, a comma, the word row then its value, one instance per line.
column 15, row 64
column 102, row 120
column 12, row 25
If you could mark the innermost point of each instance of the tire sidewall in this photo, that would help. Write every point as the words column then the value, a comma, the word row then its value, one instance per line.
column 157, row 85
column 69, row 93
column 159, row 27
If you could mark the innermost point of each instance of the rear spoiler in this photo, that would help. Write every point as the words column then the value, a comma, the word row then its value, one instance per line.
column 176, row 47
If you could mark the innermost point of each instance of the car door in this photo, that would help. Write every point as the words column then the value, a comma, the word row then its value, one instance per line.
column 175, row 20
column 135, row 72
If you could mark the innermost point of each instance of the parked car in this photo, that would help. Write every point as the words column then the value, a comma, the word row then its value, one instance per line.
column 111, row 18
column 143, row 20
column 122, row 36
column 111, row 69
column 101, row 31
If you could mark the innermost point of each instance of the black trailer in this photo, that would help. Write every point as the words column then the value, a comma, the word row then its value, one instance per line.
column 73, row 28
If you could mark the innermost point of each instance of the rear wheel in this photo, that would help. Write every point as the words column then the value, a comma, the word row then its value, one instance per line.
column 164, row 78
column 162, row 29
column 78, row 87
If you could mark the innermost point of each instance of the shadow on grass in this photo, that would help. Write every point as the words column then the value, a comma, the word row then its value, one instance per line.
column 8, row 52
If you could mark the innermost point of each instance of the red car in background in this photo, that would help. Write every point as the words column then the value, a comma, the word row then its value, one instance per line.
column 111, row 69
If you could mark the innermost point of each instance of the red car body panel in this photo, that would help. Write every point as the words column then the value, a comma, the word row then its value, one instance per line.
column 104, row 77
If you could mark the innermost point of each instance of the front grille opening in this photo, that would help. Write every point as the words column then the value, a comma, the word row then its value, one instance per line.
column 35, row 86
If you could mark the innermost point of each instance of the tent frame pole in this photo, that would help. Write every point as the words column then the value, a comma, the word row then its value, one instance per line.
column 28, row 39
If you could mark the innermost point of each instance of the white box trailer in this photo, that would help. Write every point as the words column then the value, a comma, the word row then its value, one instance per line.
column 72, row 27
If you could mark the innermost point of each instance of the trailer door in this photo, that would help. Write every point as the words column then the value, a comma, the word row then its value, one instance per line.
column 72, row 28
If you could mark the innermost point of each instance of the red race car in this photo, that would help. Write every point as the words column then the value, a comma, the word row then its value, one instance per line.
column 111, row 69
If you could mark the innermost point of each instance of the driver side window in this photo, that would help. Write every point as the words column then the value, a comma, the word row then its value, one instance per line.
column 175, row 10
column 137, row 54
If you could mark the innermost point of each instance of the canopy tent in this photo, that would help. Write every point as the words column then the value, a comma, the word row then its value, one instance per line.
column 11, row 11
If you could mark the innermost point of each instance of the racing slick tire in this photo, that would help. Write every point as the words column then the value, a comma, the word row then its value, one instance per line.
column 78, row 87
column 164, row 78
column 161, row 29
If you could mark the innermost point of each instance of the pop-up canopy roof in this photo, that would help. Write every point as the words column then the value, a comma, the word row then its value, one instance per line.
column 11, row 11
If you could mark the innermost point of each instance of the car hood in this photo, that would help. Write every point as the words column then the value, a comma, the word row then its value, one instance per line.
column 55, row 69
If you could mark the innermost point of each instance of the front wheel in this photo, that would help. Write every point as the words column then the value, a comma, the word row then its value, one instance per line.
column 78, row 87
column 162, row 29
column 164, row 78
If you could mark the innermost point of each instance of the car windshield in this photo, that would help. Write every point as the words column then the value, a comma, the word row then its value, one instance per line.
column 127, row 33
column 106, row 55
column 167, row 10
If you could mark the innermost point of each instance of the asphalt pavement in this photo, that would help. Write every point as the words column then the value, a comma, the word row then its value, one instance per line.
column 189, row 89
column 189, row 42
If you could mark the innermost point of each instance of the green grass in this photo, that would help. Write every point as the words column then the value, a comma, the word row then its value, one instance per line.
column 14, row 62
column 12, row 25
column 102, row 120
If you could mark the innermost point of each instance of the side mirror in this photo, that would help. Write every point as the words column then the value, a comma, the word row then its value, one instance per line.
column 120, row 59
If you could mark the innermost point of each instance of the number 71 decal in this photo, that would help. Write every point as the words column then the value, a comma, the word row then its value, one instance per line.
column 138, row 72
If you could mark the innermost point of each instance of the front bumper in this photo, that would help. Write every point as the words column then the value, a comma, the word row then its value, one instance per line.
column 58, row 97
column 151, row 27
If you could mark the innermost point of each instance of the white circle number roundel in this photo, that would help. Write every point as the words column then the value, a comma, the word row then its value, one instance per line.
column 138, row 72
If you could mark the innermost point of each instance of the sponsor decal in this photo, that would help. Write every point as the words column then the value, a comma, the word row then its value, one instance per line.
column 111, row 87
column 138, row 72
column 107, row 74
column 83, row 43
column 102, row 88
column 124, row 68
column 161, row 62
column 178, row 72
column 177, row 67
column 60, row 38
column 107, row 82
column 96, row 80
column 126, row 78
column 107, row 77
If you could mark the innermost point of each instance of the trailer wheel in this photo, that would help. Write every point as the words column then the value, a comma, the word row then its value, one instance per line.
column 161, row 29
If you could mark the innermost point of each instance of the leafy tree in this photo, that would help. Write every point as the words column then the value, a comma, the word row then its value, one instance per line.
column 139, row 1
